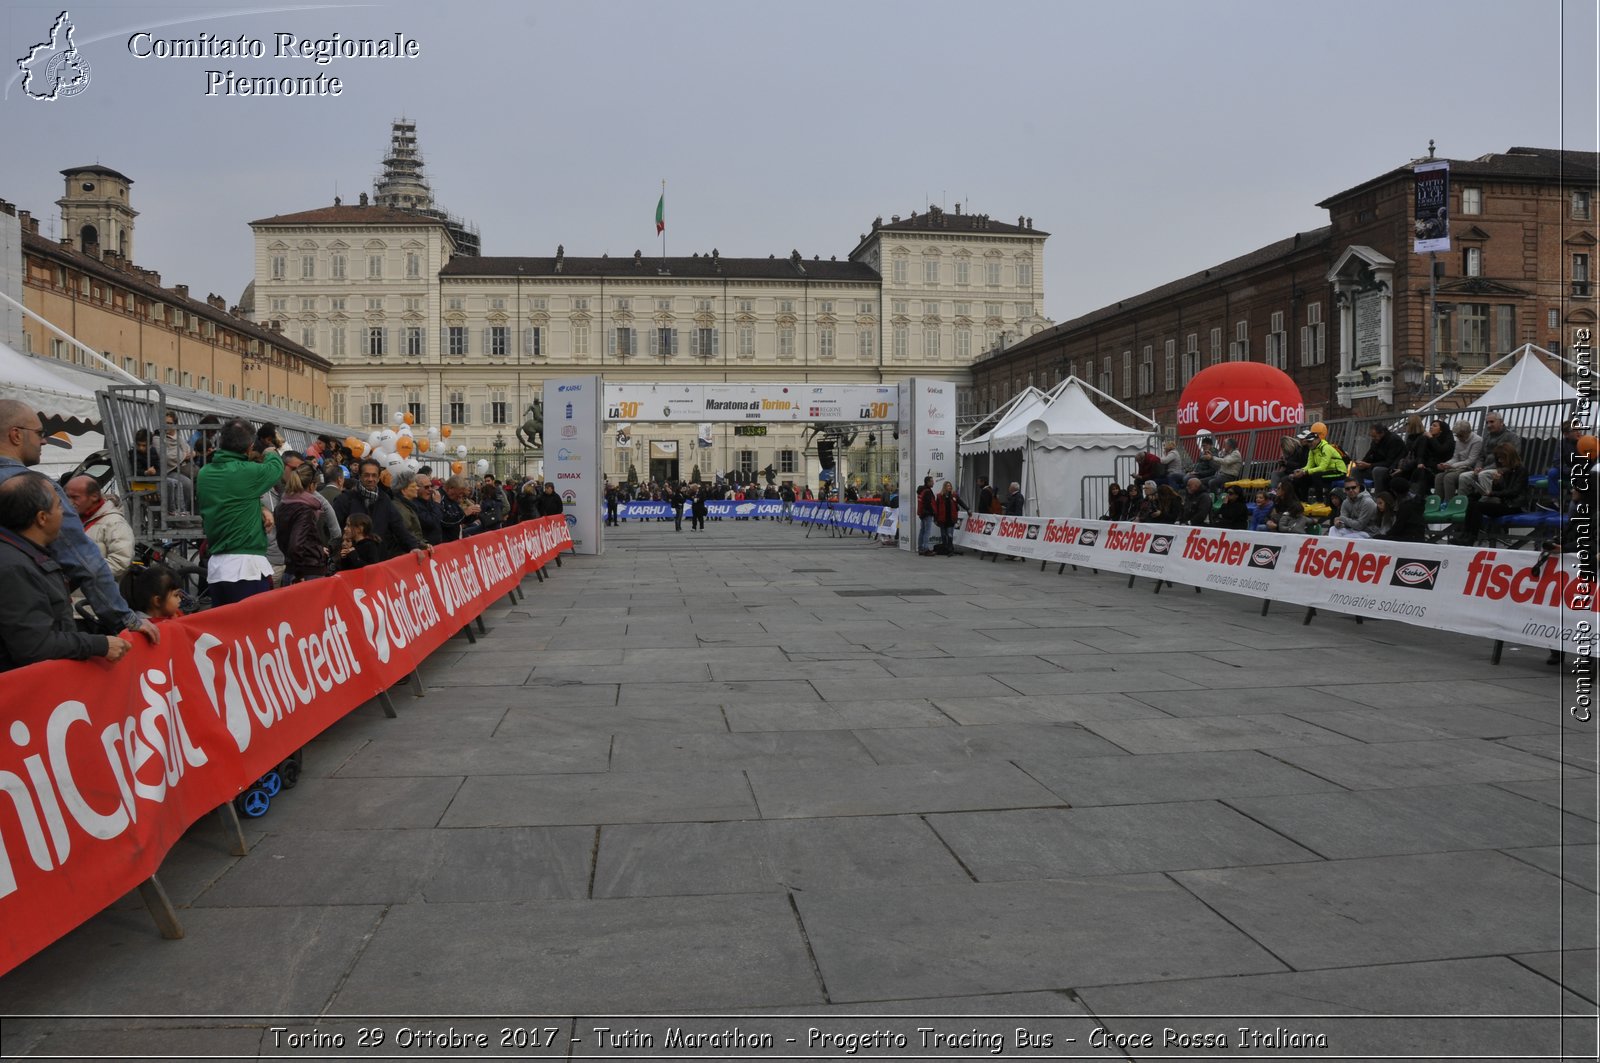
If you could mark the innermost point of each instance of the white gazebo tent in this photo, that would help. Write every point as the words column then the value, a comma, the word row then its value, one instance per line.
column 993, row 448
column 1530, row 380
column 63, row 405
column 1048, row 442
column 1076, row 440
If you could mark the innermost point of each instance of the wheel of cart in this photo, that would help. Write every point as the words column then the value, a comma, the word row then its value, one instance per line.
column 253, row 803
column 271, row 783
column 290, row 769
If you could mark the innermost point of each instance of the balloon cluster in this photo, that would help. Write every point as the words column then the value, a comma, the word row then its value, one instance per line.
column 397, row 449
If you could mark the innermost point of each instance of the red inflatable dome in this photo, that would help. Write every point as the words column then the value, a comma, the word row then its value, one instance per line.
column 1235, row 397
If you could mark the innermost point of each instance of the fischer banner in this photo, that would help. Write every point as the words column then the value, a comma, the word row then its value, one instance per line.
column 109, row 763
column 1497, row 594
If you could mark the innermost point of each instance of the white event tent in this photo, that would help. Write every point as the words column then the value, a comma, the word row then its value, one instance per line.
column 1530, row 380
column 1049, row 442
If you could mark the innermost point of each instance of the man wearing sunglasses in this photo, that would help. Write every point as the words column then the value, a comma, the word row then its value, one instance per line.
column 22, row 440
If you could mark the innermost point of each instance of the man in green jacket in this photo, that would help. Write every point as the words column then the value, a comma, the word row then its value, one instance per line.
column 230, row 487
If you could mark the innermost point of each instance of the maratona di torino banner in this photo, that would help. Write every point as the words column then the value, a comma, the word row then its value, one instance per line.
column 107, row 764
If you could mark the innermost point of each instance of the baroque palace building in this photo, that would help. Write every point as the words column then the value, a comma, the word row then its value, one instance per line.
column 87, row 284
column 1344, row 309
column 412, row 320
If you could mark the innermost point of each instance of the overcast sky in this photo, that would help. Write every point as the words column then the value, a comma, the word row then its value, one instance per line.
column 1151, row 139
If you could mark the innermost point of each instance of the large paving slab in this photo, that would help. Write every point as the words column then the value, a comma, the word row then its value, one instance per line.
column 984, row 742
column 821, row 750
column 895, row 789
column 1396, row 909
column 583, row 957
column 1066, row 843
column 1434, row 762
column 1421, row 820
column 631, row 797
column 747, row 857
column 118, row 958
column 876, row 944
column 1264, row 731
column 1157, row 777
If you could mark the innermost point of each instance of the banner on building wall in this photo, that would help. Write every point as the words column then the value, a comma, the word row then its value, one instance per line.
column 572, row 425
column 108, row 764
column 701, row 403
column 1431, row 187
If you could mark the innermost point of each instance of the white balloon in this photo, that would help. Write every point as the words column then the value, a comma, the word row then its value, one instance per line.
column 378, row 454
column 404, row 430
column 399, row 417
column 393, row 462
column 372, row 439
column 383, row 439
column 483, row 466
column 461, row 450
column 412, row 465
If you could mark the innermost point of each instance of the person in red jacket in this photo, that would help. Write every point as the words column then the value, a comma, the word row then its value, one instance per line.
column 946, row 506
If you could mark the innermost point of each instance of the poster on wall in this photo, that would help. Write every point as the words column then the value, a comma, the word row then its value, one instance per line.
column 572, row 455
column 1431, row 182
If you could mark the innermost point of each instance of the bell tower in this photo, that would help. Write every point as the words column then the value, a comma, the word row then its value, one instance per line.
column 95, row 211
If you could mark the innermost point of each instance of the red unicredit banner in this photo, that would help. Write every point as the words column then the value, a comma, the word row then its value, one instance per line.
column 105, row 765
column 1498, row 594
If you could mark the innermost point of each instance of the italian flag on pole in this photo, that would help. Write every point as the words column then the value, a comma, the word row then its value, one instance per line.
column 661, row 212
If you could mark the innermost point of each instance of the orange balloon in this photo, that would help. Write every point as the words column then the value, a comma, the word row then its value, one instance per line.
column 404, row 445
column 1589, row 446
column 408, row 418
column 358, row 448
column 458, row 467
column 384, row 478
column 351, row 442
column 423, row 445
column 444, row 433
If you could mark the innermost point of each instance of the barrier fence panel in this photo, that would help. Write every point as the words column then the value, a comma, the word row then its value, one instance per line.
column 108, row 764
column 1506, row 595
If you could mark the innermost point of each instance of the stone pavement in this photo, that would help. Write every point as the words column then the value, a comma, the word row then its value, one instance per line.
column 744, row 771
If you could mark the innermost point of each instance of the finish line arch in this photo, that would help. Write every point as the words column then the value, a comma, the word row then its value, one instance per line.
column 922, row 413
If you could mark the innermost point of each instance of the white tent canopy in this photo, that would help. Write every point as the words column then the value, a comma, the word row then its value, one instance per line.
column 1074, row 439
column 1530, row 380
column 60, row 402
column 1009, row 432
